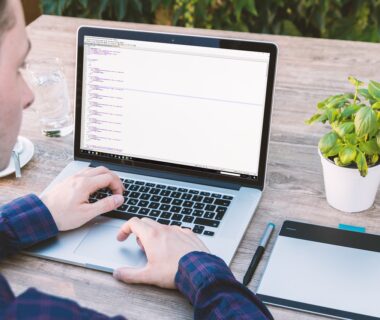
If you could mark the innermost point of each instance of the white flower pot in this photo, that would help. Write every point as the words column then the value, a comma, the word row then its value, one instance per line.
column 346, row 189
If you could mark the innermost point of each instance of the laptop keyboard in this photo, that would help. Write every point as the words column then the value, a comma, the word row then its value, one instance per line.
column 198, row 210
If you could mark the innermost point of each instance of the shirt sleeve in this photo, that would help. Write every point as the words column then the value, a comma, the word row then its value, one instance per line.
column 213, row 290
column 24, row 222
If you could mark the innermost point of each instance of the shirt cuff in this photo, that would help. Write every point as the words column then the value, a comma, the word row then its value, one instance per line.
column 29, row 220
column 198, row 269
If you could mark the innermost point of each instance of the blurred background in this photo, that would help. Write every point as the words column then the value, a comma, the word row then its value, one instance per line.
column 337, row 19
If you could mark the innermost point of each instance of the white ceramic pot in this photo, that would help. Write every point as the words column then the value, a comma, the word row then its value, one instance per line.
column 346, row 189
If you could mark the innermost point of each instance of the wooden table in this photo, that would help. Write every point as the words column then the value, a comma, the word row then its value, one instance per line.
column 308, row 71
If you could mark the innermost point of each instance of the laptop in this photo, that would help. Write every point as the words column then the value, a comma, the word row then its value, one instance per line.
column 184, row 122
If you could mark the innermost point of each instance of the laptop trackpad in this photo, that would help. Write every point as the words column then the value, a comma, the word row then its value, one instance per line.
column 103, row 251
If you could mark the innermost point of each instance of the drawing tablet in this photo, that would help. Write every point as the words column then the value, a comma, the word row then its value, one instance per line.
column 325, row 271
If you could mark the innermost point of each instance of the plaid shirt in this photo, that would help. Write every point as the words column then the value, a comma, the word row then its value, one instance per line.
column 203, row 278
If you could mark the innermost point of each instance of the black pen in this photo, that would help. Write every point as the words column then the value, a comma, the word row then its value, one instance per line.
column 259, row 253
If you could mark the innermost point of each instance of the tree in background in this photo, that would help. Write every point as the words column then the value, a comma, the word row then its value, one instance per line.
column 339, row 19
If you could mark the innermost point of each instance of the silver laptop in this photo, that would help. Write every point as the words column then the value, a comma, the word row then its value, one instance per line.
column 184, row 121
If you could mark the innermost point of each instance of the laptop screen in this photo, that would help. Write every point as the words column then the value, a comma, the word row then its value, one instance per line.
column 196, row 106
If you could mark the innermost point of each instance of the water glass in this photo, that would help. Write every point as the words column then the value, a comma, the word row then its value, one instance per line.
column 51, row 96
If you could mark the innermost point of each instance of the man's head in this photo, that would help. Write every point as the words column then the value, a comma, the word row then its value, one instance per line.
column 15, row 95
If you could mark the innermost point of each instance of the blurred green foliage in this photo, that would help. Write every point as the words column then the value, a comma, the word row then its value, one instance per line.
column 339, row 19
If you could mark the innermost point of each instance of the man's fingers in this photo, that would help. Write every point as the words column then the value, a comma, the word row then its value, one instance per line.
column 104, row 205
column 105, row 180
column 133, row 275
column 140, row 228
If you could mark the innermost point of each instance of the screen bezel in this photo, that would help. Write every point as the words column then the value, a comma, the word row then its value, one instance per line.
column 243, row 180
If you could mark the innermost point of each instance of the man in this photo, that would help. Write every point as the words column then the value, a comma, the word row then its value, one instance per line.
column 176, row 257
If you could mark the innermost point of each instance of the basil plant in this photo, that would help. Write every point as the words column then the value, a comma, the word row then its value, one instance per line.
column 354, row 139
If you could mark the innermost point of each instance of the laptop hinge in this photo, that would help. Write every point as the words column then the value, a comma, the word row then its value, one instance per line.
column 166, row 175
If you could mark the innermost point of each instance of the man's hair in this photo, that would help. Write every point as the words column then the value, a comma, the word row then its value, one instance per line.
column 6, row 18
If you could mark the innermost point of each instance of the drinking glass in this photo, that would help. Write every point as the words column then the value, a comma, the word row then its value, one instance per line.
column 51, row 96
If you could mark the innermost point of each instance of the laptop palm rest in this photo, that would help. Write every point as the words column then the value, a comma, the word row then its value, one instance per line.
column 101, row 248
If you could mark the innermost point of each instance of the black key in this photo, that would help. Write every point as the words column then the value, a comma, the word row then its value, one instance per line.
column 164, row 207
column 150, row 217
column 199, row 205
column 186, row 227
column 135, row 195
column 133, row 209
column 128, row 215
column 188, row 219
column 175, row 209
column 210, row 207
column 221, row 202
column 144, row 211
column 182, row 190
column 163, row 221
column 186, row 211
column 216, row 195
column 208, row 233
column 219, row 216
column 208, row 200
column 221, row 209
column 133, row 202
column 128, row 181
column 155, row 198
column 209, row 215
column 154, row 191
column 92, row 200
column 177, row 202
column 171, row 188
column 177, row 217
column 186, row 196
column 176, row 194
column 198, row 213
column 207, row 222
column 161, row 186
column 126, row 193
column 194, row 191
column 176, row 223
column 145, row 196
column 166, row 200
column 228, row 197
column 188, row 204
column 133, row 187
column 100, row 195
column 203, row 193
column 165, row 215
column 144, row 189
column 143, row 203
column 140, row 183
column 150, row 184
column 164, row 193
column 154, row 205
column 154, row 213
column 198, row 229
column 197, row 198
column 123, row 207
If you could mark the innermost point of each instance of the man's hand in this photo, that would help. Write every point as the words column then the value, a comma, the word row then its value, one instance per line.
column 68, row 201
column 164, row 247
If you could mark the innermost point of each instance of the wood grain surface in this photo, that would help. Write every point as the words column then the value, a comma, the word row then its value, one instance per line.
column 308, row 71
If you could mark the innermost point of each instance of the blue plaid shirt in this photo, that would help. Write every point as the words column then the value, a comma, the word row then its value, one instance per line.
column 203, row 278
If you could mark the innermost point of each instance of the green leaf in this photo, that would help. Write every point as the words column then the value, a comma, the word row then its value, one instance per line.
column 327, row 142
column 350, row 110
column 374, row 90
column 138, row 5
column 365, row 122
column 374, row 159
column 378, row 139
column 355, row 81
column 361, row 163
column 154, row 4
column 84, row 3
column 376, row 106
column 313, row 119
column 351, row 139
column 333, row 151
column 369, row 147
column 364, row 93
column 344, row 128
column 347, row 155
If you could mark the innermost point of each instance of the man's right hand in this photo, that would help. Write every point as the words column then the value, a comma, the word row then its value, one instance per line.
column 164, row 247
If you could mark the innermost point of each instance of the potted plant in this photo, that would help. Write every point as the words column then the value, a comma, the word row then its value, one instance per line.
column 350, row 151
